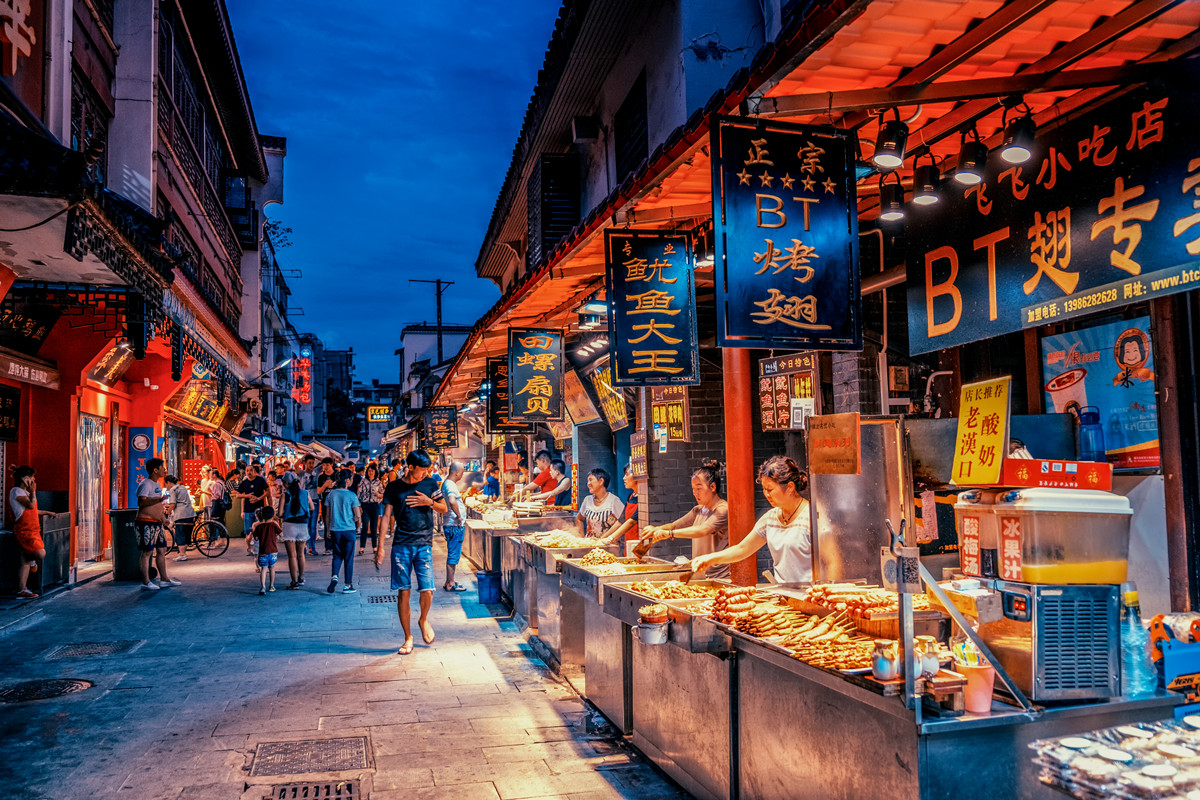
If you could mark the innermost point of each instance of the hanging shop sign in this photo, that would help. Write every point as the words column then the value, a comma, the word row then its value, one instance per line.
column 498, row 420
column 112, row 365
column 669, row 411
column 579, row 406
column 1106, row 214
column 612, row 401
column 787, row 391
column 835, row 444
column 786, row 219
column 25, row 324
column 561, row 431
column 10, row 413
column 535, row 368
column 1109, row 370
column 982, row 439
column 652, row 304
column 441, row 429
column 637, row 455
column 16, row 368
column 379, row 414
column 198, row 399
column 302, row 378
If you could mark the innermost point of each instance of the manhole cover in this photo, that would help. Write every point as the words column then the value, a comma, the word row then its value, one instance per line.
column 92, row 649
column 42, row 690
column 334, row 790
column 310, row 755
column 383, row 598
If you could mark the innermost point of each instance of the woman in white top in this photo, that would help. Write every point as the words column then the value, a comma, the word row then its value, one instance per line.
column 600, row 509
column 786, row 529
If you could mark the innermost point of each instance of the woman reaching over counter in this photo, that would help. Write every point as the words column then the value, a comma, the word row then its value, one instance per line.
column 786, row 529
column 707, row 524
column 558, row 492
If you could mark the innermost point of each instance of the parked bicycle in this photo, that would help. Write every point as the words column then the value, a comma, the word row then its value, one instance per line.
column 208, row 536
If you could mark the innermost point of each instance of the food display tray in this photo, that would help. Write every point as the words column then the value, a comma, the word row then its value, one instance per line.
column 587, row 583
column 623, row 603
column 546, row 559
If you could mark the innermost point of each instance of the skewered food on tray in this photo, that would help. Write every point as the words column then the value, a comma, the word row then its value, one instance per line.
column 731, row 602
column 835, row 654
column 861, row 601
column 673, row 590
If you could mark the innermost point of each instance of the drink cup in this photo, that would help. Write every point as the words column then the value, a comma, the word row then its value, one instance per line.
column 977, row 694
column 1068, row 391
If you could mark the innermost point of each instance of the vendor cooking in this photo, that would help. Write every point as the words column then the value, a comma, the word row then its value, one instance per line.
column 786, row 529
column 544, row 481
column 559, row 491
column 707, row 524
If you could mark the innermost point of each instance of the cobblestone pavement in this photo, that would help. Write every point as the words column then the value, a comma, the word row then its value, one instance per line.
column 217, row 670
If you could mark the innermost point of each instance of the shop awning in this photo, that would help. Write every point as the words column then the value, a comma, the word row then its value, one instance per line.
column 322, row 450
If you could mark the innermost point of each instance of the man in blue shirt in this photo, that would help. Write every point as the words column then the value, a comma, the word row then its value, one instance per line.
column 344, row 518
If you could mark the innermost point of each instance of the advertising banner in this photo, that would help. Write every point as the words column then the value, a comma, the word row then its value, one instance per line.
column 786, row 218
column 1109, row 368
column 981, row 442
column 652, row 304
column 497, row 403
column 535, row 370
column 1104, row 215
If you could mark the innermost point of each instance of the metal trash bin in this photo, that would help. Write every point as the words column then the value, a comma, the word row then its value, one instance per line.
column 127, row 564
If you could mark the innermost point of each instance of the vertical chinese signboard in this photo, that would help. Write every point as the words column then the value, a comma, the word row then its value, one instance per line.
column 652, row 299
column 10, row 413
column 787, row 391
column 498, row 421
column 1107, row 213
column 982, row 439
column 441, row 429
column 535, row 369
column 786, row 219
column 669, row 411
column 302, row 377
column 637, row 455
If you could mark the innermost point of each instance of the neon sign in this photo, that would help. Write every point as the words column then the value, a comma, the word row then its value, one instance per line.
column 302, row 380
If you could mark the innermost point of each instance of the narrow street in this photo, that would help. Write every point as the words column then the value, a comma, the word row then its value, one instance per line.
column 216, row 674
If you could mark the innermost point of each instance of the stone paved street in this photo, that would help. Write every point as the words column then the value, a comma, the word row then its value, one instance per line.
column 220, row 670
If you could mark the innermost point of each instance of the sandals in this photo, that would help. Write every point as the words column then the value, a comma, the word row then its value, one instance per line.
column 455, row 588
column 26, row 594
column 405, row 649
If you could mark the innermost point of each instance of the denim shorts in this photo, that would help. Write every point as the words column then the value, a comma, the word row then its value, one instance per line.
column 454, row 542
column 267, row 559
column 407, row 557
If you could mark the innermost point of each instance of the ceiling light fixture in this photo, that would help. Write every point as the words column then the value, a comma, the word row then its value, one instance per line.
column 972, row 159
column 889, row 145
column 891, row 199
column 927, row 179
column 1020, row 136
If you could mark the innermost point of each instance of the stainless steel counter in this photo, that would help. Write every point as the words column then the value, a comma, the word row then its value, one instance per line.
column 473, row 542
column 559, row 612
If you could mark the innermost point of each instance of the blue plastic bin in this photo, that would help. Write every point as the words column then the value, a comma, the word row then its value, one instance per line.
column 489, row 587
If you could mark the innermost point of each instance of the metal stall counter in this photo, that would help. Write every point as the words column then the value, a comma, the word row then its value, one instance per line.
column 473, row 547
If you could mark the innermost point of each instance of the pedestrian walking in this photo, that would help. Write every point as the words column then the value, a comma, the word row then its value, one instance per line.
column 295, row 526
column 274, row 493
column 454, row 524
column 322, row 483
column 27, row 527
column 180, row 515
column 370, row 494
column 411, row 500
column 343, row 521
column 253, row 491
column 266, row 532
column 308, row 483
column 150, row 521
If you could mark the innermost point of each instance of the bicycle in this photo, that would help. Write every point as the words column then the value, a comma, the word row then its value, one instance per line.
column 208, row 536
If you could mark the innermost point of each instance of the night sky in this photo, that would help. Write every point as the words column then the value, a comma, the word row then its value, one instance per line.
column 400, row 120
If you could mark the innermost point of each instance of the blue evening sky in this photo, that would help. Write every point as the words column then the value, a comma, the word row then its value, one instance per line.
column 400, row 119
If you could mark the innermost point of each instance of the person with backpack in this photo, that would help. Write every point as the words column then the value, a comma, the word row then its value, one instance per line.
column 296, row 508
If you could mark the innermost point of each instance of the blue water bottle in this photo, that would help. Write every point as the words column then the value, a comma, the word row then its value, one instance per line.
column 1091, row 435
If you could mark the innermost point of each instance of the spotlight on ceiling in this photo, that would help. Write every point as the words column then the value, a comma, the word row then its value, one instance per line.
column 589, row 322
column 1019, row 138
column 927, row 179
column 889, row 145
column 891, row 199
column 972, row 159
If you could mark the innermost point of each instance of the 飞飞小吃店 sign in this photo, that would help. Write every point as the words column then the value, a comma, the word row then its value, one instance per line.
column 982, row 439
column 612, row 401
column 787, row 391
column 10, row 413
column 441, row 429
column 669, row 409
column 786, row 219
column 1111, row 368
column 1105, row 214
column 378, row 414
column 652, row 303
column 535, row 370
column 498, row 420
column 637, row 455
column 835, row 444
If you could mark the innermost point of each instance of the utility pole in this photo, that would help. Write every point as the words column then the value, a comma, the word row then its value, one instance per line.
column 441, row 287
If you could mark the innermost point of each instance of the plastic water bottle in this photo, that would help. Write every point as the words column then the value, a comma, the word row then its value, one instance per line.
column 1091, row 435
column 1138, row 673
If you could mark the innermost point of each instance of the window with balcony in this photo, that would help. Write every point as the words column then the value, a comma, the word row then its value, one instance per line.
column 89, row 127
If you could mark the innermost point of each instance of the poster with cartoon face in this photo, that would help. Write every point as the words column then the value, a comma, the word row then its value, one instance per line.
column 1108, row 369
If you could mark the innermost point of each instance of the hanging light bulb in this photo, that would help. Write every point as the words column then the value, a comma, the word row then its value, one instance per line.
column 891, row 200
column 972, row 158
column 1019, row 139
column 889, row 145
column 927, row 180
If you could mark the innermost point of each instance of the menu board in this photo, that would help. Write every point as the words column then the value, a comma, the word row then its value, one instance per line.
column 787, row 391
column 637, row 455
column 669, row 411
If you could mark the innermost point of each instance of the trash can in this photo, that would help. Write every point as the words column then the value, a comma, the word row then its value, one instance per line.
column 126, row 556
column 489, row 587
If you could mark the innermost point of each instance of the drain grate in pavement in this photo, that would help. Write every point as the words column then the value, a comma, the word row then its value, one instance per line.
column 93, row 649
column 42, row 690
column 333, row 790
column 310, row 755
column 383, row 598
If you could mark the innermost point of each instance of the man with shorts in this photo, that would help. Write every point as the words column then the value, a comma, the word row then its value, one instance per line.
column 454, row 524
column 410, row 500
column 149, row 522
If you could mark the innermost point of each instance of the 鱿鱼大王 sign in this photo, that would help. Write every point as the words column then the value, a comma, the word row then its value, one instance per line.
column 1105, row 214
column 498, row 421
column 535, row 370
column 786, row 219
column 652, row 307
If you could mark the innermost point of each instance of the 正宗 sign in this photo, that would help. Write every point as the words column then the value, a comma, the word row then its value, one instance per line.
column 835, row 444
column 497, row 404
column 535, row 369
column 441, row 428
column 1111, row 368
column 786, row 219
column 669, row 410
column 1107, row 213
column 786, row 391
column 982, row 439
column 652, row 303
